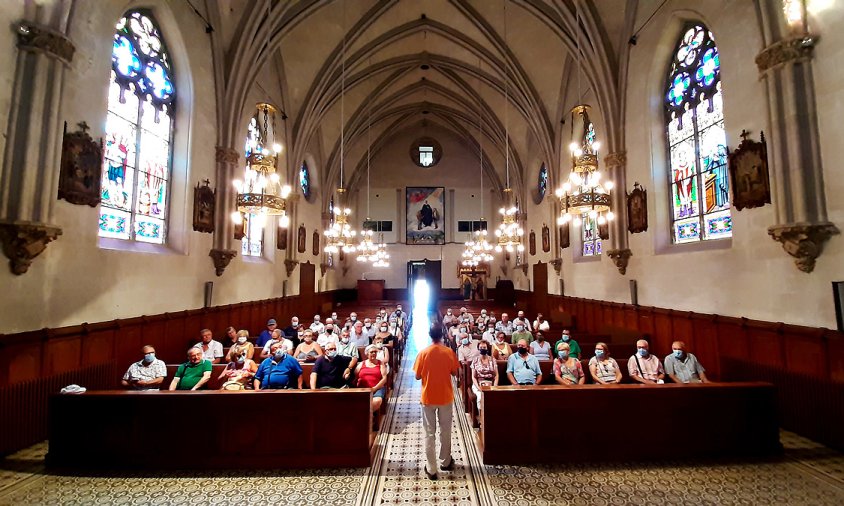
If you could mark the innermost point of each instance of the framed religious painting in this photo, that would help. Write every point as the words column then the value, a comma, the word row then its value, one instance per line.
column 204, row 202
column 79, row 176
column 546, row 238
column 425, row 217
column 749, row 173
column 315, row 250
column 637, row 209
column 281, row 238
column 240, row 229
column 565, row 240
column 532, row 243
column 300, row 239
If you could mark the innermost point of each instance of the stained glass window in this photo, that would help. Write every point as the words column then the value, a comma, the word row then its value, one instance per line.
column 592, row 244
column 139, row 131
column 252, row 243
column 542, row 184
column 305, row 180
column 700, row 192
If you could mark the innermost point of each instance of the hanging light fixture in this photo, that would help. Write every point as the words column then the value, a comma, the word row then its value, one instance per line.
column 340, row 235
column 478, row 249
column 261, row 193
column 584, row 193
column 508, row 233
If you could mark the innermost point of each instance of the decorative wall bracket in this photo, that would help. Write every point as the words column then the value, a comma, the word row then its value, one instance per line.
column 620, row 257
column 803, row 241
column 557, row 263
column 290, row 265
column 23, row 241
column 222, row 258
column 784, row 51
column 32, row 37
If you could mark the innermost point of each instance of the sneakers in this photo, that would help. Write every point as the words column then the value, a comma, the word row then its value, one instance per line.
column 450, row 466
column 431, row 476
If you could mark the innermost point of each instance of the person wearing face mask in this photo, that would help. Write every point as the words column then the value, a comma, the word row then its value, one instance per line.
column 369, row 329
column 400, row 315
column 484, row 371
column 292, row 330
column 482, row 320
column 383, row 352
column 683, row 367
column 277, row 337
column 278, row 371
column 466, row 349
column 521, row 332
column 358, row 336
column 240, row 347
column 347, row 348
column 489, row 333
column 238, row 373
column 267, row 333
column 146, row 374
column 329, row 333
column 353, row 317
column 383, row 332
column 521, row 318
column 540, row 348
column 317, row 326
column 566, row 338
column 567, row 369
column 309, row 350
column 522, row 367
column 603, row 368
column 501, row 348
column 331, row 370
column 449, row 320
column 644, row 367
column 466, row 317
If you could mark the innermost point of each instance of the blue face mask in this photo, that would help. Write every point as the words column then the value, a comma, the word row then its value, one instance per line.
column 149, row 357
column 678, row 353
column 599, row 353
column 643, row 352
column 566, row 337
column 241, row 359
column 279, row 354
column 332, row 354
column 465, row 342
column 563, row 355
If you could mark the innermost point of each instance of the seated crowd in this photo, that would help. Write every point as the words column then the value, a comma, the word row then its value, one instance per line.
column 275, row 360
column 482, row 341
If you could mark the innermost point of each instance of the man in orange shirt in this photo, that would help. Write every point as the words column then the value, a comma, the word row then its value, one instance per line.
column 435, row 365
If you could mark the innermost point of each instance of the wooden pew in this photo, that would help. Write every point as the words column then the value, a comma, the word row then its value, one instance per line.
column 629, row 422
column 191, row 430
column 215, row 384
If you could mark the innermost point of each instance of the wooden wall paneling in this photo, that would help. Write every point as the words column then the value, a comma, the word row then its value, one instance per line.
column 835, row 356
column 765, row 343
column 62, row 354
column 706, row 344
column 663, row 329
column 22, row 362
column 257, row 319
column 590, row 316
column 128, row 341
column 682, row 329
column 153, row 332
column 174, row 337
column 732, row 339
column 97, row 346
column 194, row 322
column 618, row 315
column 646, row 323
column 631, row 318
column 806, row 351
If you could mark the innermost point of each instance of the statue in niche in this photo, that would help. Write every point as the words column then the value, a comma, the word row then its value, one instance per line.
column 637, row 209
column 546, row 238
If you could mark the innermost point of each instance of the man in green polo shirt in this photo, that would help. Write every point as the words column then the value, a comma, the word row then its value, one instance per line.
column 193, row 374
column 574, row 348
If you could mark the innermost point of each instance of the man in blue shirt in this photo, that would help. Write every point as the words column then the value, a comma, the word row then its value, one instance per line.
column 279, row 370
column 522, row 367
column 266, row 334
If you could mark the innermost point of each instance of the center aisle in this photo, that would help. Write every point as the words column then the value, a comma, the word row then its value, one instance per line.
column 396, row 475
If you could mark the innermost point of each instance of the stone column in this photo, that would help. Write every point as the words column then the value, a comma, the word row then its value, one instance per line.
column 619, row 251
column 801, row 226
column 222, row 253
column 32, row 156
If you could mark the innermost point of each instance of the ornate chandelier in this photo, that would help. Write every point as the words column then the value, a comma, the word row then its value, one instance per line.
column 584, row 192
column 340, row 235
column 478, row 250
column 381, row 257
column 261, row 193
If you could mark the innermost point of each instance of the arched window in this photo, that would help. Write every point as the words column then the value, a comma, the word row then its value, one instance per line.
column 252, row 243
column 305, row 180
column 139, row 133
column 700, row 192
column 542, row 183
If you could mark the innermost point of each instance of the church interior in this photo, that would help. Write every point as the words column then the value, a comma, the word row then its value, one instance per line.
column 652, row 179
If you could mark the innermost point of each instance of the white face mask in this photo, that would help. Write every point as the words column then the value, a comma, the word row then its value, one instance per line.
column 241, row 340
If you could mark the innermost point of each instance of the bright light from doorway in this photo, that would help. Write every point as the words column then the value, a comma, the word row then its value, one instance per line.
column 421, row 292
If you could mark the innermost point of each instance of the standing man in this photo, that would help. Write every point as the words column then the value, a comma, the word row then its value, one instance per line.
column 435, row 365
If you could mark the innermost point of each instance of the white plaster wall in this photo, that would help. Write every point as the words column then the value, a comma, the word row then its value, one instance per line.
column 750, row 275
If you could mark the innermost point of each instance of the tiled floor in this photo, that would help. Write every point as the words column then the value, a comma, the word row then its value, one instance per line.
column 808, row 474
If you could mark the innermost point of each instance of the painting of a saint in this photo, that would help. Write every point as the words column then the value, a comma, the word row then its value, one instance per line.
column 425, row 215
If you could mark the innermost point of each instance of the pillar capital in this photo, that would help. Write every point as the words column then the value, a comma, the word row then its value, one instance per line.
column 226, row 155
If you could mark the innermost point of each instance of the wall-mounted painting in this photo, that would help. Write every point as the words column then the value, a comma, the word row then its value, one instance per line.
column 425, row 215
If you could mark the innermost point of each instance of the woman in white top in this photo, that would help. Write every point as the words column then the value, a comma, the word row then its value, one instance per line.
column 540, row 347
column 603, row 368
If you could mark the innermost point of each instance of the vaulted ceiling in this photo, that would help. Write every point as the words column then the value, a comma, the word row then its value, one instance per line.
column 454, row 64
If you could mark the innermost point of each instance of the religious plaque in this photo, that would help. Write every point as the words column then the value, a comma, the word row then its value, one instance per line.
column 532, row 242
column 546, row 238
column 316, row 243
column 281, row 238
column 749, row 173
column 204, row 203
column 300, row 239
column 637, row 209
column 81, row 165
column 565, row 240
